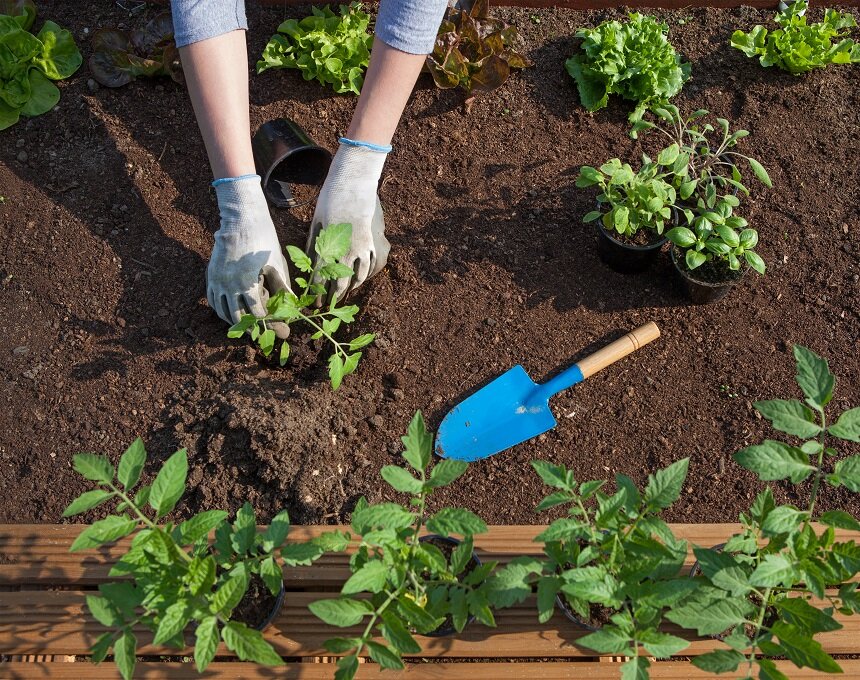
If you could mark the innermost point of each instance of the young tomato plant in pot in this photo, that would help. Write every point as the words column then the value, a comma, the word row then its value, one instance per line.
column 715, row 247
column 633, row 210
column 173, row 579
column 611, row 564
column 286, row 306
column 771, row 589
column 403, row 583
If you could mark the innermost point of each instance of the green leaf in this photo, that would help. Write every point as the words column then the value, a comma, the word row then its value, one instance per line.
column 276, row 533
column 206, row 643
column 249, row 644
column 124, row 654
column 418, row 617
column 131, row 463
column 201, row 575
column 385, row 515
column 711, row 616
column 93, row 467
column 103, row 611
column 773, row 570
column 664, row 487
column 333, row 242
column 681, row 237
column 799, row 613
column 772, row 460
column 754, row 260
column 169, row 484
column 172, row 622
column 397, row 635
column 608, row 640
column 635, row 669
column 303, row 554
column 760, row 172
column 199, row 526
column 106, row 530
column 87, row 501
column 384, row 656
column 272, row 574
column 723, row 571
column 418, row 444
column 783, row 520
column 456, row 521
column 347, row 667
column 101, row 647
column 229, row 594
column 814, row 376
column 335, row 370
column 847, row 426
column 802, row 649
column 719, row 661
column 341, row 612
column 789, row 416
column 400, row 479
column 300, row 259
column 847, row 472
column 662, row 645
column 668, row 155
column 371, row 577
column 556, row 476
column 361, row 341
column 446, row 472
column 840, row 520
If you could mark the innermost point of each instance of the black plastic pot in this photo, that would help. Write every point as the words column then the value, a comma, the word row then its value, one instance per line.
column 285, row 155
column 279, row 601
column 571, row 615
column 625, row 258
column 448, row 628
column 702, row 292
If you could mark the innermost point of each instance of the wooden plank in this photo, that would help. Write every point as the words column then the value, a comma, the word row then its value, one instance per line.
column 55, row 622
column 38, row 553
column 664, row 670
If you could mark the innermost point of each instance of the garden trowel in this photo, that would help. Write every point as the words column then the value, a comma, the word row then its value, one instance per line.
column 514, row 408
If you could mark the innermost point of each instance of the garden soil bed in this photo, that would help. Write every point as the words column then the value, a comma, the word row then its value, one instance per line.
column 107, row 225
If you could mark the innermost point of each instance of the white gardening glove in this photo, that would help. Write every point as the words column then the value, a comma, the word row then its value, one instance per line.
column 247, row 264
column 349, row 195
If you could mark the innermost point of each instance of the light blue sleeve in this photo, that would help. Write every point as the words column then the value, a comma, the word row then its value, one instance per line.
column 410, row 25
column 407, row 25
column 196, row 20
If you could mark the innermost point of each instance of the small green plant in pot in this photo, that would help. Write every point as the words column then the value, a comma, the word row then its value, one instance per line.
column 634, row 208
column 774, row 587
column 713, row 250
column 173, row 578
column 611, row 564
column 403, row 583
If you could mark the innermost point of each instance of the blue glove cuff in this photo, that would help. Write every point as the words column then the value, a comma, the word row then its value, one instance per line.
column 367, row 145
column 225, row 180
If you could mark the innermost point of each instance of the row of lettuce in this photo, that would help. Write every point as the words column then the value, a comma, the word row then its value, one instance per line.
column 608, row 561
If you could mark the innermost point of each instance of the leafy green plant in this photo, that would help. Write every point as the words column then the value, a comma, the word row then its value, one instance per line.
column 474, row 51
column 634, row 60
column 286, row 306
column 643, row 199
column 797, row 46
column 333, row 49
column 119, row 57
column 709, row 184
column 610, row 558
column 401, row 585
column 28, row 63
column 776, row 585
column 171, row 576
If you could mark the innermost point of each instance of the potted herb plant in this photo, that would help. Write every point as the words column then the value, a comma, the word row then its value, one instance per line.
column 611, row 564
column 173, row 578
column 714, row 248
column 403, row 583
column 633, row 209
column 771, row 589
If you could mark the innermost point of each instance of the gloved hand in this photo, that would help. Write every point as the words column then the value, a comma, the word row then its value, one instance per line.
column 247, row 264
column 350, row 195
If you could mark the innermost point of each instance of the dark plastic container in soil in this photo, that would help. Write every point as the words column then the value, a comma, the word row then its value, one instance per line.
column 447, row 544
column 599, row 615
column 258, row 607
column 707, row 283
column 627, row 258
column 287, row 159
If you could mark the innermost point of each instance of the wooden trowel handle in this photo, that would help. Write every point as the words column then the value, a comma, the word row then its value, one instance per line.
column 619, row 349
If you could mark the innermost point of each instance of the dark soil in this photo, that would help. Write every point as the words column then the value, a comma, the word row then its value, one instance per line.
column 107, row 226
column 599, row 615
column 714, row 271
column 256, row 605
column 643, row 237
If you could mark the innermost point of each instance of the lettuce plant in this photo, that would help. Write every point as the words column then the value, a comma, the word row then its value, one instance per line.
column 474, row 52
column 798, row 46
column 172, row 578
column 610, row 553
column 776, row 585
column 286, row 306
column 330, row 48
column 634, row 60
column 28, row 63
column 631, row 201
column 120, row 57
column 400, row 585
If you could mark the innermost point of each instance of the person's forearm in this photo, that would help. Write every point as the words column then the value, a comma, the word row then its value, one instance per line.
column 216, row 71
